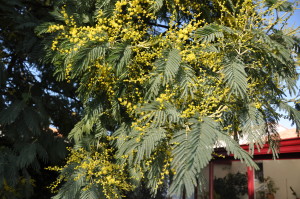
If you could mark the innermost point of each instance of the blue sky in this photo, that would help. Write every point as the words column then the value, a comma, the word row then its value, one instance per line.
column 293, row 21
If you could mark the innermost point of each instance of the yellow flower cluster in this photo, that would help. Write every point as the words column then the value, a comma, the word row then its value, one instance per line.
column 97, row 168
column 165, row 169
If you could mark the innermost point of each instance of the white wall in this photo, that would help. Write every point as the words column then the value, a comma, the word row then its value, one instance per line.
column 221, row 170
column 285, row 173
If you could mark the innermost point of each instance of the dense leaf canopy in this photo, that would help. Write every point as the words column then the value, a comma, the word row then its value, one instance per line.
column 163, row 83
column 31, row 100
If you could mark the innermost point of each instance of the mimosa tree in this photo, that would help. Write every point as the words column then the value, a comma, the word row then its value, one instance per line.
column 164, row 82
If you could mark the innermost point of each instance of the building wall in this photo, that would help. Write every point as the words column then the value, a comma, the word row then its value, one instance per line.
column 285, row 173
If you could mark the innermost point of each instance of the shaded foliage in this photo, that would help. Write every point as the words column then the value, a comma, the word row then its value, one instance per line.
column 231, row 186
column 31, row 101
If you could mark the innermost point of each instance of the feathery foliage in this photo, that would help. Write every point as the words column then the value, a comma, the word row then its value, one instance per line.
column 165, row 82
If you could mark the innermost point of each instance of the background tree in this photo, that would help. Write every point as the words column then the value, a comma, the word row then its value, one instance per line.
column 31, row 100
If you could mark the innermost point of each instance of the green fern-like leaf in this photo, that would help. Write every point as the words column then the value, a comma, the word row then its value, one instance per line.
column 9, row 115
column 120, row 57
column 199, row 140
column 154, row 88
column 233, row 147
column 171, row 66
column 185, row 78
column 156, row 6
column 81, row 59
column 235, row 76
column 92, row 193
column 86, row 125
column 27, row 155
column 209, row 33
column 293, row 114
column 167, row 68
column 32, row 121
column 254, row 128
column 71, row 189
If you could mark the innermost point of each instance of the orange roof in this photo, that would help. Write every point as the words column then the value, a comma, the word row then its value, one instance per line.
column 55, row 131
column 287, row 133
